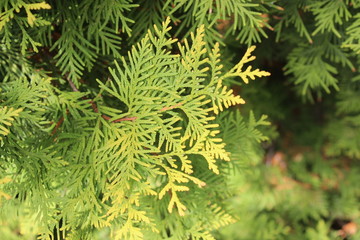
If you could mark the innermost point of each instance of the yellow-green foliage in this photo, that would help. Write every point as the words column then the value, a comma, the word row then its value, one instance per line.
column 125, row 119
column 120, row 166
column 6, row 117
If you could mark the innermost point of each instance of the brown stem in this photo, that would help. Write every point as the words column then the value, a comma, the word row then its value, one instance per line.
column 171, row 107
column 57, row 125
column 125, row 119
column 72, row 85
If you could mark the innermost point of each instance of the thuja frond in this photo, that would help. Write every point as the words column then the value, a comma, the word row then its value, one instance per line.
column 156, row 88
column 328, row 14
column 10, row 8
column 237, row 70
column 149, row 150
column 148, row 14
column 146, row 138
column 353, row 41
column 242, row 136
column 246, row 22
column 222, row 217
column 75, row 52
column 293, row 16
column 311, row 70
column 82, row 42
column 102, row 13
column 6, row 117
column 11, row 18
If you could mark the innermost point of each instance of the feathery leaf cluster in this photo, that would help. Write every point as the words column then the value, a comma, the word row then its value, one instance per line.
column 123, row 152
column 123, row 119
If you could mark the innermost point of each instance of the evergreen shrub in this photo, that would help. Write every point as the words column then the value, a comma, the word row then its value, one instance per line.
column 139, row 119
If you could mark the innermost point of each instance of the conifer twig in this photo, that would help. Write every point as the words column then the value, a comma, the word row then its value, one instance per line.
column 72, row 85
column 94, row 107
column 171, row 107
column 58, row 124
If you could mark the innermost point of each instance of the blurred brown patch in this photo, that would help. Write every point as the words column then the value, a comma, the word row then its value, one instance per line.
column 348, row 229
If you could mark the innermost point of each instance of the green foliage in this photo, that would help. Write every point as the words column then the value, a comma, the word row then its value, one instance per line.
column 127, row 152
column 9, row 20
column 353, row 41
column 277, row 203
column 247, row 22
column 122, row 119
column 343, row 132
column 6, row 119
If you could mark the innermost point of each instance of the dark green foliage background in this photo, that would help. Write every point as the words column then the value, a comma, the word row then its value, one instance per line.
column 297, row 178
